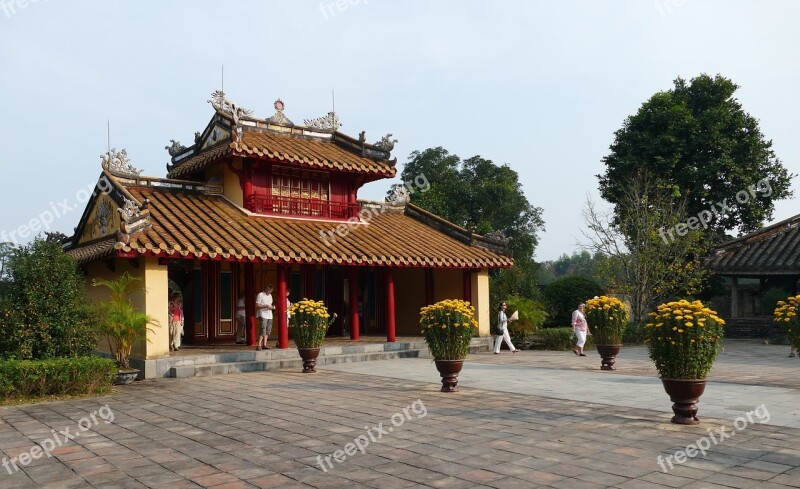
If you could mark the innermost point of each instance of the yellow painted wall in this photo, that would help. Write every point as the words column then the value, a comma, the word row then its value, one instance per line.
column 447, row 284
column 409, row 298
column 153, row 302
column 232, row 189
column 480, row 300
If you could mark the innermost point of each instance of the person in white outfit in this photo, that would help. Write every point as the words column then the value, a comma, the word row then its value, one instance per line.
column 581, row 328
column 502, row 330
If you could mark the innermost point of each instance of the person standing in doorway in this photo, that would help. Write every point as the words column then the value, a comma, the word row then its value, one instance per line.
column 241, row 322
column 502, row 330
column 580, row 328
column 264, row 308
column 175, row 322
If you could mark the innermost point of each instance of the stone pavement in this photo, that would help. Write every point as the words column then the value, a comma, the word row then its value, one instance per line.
column 579, row 428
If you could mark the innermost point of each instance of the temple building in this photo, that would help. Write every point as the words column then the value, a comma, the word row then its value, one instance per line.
column 266, row 201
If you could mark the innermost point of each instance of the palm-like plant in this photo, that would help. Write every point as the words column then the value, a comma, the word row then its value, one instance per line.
column 122, row 324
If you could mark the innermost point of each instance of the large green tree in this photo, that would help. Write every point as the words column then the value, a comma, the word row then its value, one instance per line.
column 477, row 194
column 696, row 140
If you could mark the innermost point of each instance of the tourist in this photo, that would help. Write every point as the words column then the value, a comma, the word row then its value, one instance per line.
column 502, row 331
column 175, row 322
column 241, row 322
column 264, row 308
column 580, row 328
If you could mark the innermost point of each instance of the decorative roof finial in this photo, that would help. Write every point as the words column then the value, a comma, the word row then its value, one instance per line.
column 175, row 148
column 118, row 162
column 221, row 103
column 327, row 122
column 279, row 117
column 386, row 143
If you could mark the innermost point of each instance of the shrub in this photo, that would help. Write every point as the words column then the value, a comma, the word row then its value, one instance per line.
column 448, row 327
column 683, row 339
column 770, row 298
column 309, row 323
column 634, row 334
column 43, row 309
column 23, row 379
column 558, row 339
column 532, row 315
column 607, row 319
column 564, row 295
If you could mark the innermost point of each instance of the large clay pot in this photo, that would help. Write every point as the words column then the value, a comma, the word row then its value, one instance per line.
column 125, row 377
column 449, row 370
column 309, row 356
column 684, row 395
column 609, row 354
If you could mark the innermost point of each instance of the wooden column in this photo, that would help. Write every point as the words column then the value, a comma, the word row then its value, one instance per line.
column 280, row 309
column 352, row 280
column 391, row 335
column 467, row 285
column 429, row 286
column 250, row 302
column 248, row 197
column 734, row 297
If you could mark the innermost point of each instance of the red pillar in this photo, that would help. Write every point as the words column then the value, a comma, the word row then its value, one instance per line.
column 280, row 309
column 467, row 286
column 352, row 279
column 391, row 335
column 428, row 286
column 247, row 187
column 250, row 302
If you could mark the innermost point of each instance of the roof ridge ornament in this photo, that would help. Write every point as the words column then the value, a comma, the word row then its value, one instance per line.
column 175, row 148
column 222, row 103
column 118, row 162
column 386, row 143
column 326, row 122
column 279, row 117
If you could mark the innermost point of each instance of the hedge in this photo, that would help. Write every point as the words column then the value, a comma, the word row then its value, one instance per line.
column 561, row 339
column 23, row 379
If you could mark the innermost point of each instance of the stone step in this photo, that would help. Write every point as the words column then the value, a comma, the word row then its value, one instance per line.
column 290, row 360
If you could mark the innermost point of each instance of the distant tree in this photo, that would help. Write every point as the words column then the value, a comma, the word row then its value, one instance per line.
column 640, row 259
column 565, row 294
column 477, row 194
column 6, row 250
column 696, row 140
column 45, row 312
column 580, row 263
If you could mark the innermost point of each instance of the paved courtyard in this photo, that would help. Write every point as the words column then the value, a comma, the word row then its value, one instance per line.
column 531, row 419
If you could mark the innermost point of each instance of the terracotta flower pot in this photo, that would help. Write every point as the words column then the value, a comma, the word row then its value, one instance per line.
column 609, row 354
column 684, row 395
column 449, row 370
column 309, row 356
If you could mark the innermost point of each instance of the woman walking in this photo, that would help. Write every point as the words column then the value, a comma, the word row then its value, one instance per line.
column 502, row 330
column 580, row 328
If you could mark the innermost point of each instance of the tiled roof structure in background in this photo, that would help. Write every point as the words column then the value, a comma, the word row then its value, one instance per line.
column 773, row 250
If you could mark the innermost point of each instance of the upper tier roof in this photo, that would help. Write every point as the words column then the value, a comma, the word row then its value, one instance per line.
column 316, row 145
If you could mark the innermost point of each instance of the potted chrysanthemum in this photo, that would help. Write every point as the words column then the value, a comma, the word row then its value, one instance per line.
column 309, row 322
column 683, row 339
column 606, row 317
column 786, row 315
column 448, row 327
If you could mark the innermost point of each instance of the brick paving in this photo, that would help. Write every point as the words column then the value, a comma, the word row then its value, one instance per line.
column 268, row 429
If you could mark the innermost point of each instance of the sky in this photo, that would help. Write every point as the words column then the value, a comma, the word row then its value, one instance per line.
column 538, row 85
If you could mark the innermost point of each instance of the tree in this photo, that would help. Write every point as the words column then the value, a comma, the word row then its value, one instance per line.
column 479, row 195
column 697, row 140
column 565, row 294
column 640, row 260
column 6, row 251
column 44, row 308
column 580, row 263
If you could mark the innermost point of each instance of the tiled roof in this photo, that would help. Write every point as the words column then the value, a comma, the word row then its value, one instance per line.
column 306, row 151
column 773, row 250
column 196, row 225
column 93, row 251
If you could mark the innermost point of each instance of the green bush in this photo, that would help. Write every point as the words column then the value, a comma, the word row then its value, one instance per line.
column 634, row 334
column 532, row 315
column 769, row 300
column 558, row 339
column 564, row 295
column 44, row 311
column 24, row 379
